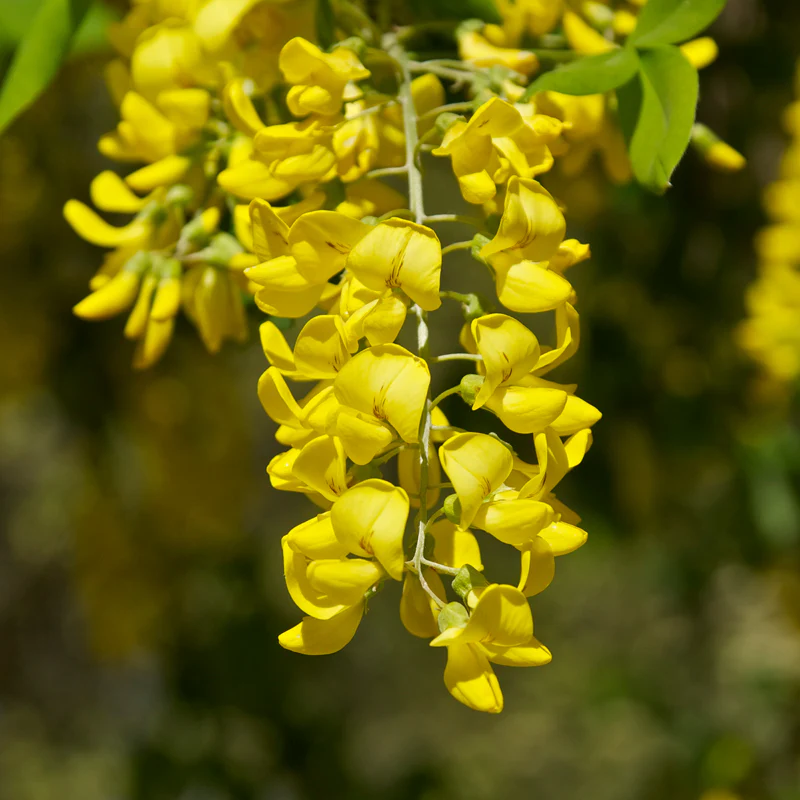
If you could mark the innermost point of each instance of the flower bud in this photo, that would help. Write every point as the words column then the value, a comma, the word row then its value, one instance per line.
column 446, row 120
column 469, row 387
column 452, row 509
column 179, row 195
column 453, row 615
column 467, row 580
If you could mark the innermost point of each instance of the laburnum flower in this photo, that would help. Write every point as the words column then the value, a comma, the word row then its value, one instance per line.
column 496, row 143
column 298, row 260
column 318, row 79
column 475, row 48
column 498, row 630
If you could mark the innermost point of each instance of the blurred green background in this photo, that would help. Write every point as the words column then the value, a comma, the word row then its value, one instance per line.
column 141, row 587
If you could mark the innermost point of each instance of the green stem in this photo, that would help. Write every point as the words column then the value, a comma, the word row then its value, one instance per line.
column 464, row 220
column 451, row 248
column 446, row 393
column 434, row 112
column 455, row 357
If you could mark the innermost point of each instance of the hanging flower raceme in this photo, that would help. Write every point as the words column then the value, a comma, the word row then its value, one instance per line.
column 369, row 444
column 259, row 160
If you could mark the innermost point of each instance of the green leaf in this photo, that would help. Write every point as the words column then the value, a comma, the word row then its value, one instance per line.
column 456, row 9
column 671, row 21
column 590, row 75
column 39, row 55
column 658, row 114
column 325, row 21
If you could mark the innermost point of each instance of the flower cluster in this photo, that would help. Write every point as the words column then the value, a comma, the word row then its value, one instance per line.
column 401, row 491
column 180, row 67
column 261, row 158
column 771, row 335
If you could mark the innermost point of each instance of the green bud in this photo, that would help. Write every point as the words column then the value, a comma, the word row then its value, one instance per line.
column 369, row 220
column 452, row 508
column 223, row 247
column 354, row 43
column 598, row 15
column 468, row 578
column 153, row 212
column 446, row 120
column 475, row 306
column 163, row 267
column 453, row 615
column 470, row 26
column 179, row 195
column 469, row 387
column 139, row 263
column 478, row 243
column 195, row 233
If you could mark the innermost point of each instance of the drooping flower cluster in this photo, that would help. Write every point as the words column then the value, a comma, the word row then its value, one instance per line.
column 180, row 66
column 404, row 496
column 260, row 163
column 771, row 333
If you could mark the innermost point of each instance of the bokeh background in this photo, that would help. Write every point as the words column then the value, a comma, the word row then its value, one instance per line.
column 141, row 591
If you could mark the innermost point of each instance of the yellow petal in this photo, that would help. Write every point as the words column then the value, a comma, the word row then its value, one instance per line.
column 275, row 347
column 563, row 538
column 239, row 107
column 532, row 225
column 306, row 596
column 531, row 654
column 362, row 436
column 418, row 611
column 508, row 348
column 468, row 676
column 91, row 227
column 188, row 108
column 502, row 616
column 252, row 179
column 577, row 446
column 346, row 579
column 111, row 298
column 164, row 172
column 529, row 288
column 408, row 475
column 315, row 637
column 276, row 398
column 389, row 383
column 321, row 241
column 110, row 193
column 568, row 333
column 315, row 538
column 399, row 253
column 384, row 322
column 537, row 567
column 370, row 520
column 577, row 415
column 320, row 350
column 477, row 465
column 270, row 232
column 553, row 464
column 583, row 38
column 321, row 465
column 700, row 52
column 514, row 521
column 525, row 409
column 455, row 547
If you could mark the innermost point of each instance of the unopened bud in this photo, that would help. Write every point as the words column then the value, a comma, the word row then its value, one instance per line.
column 179, row 195
column 452, row 509
column 469, row 387
column 467, row 580
column 475, row 306
column 446, row 120
column 453, row 615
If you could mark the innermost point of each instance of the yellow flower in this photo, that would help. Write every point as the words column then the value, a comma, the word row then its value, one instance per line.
column 477, row 465
column 388, row 384
column 399, row 254
column 370, row 519
column 499, row 630
column 298, row 260
column 583, row 38
column 318, row 78
column 509, row 351
column 495, row 143
column 475, row 49
column 316, row 637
